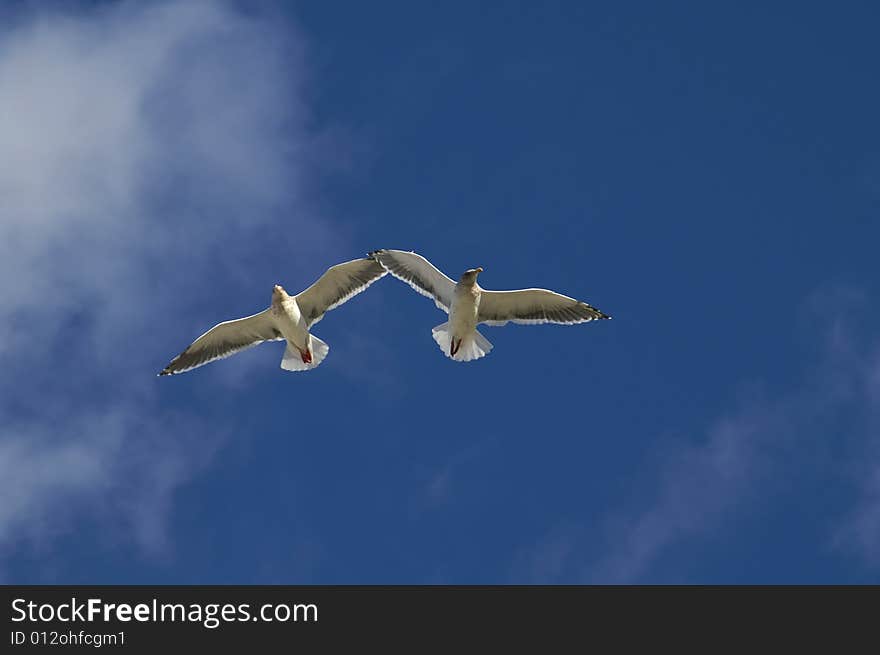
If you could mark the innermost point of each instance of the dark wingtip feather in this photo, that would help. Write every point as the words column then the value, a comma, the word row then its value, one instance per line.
column 599, row 313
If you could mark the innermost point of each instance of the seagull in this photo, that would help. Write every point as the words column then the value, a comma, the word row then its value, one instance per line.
column 469, row 305
column 288, row 318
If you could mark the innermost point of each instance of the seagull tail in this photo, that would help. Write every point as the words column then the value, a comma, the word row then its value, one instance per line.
column 472, row 346
column 292, row 360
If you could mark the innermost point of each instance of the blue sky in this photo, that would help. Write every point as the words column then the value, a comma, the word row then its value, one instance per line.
column 709, row 176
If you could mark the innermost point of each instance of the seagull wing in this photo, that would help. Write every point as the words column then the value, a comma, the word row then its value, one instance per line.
column 225, row 339
column 418, row 273
column 336, row 286
column 532, row 307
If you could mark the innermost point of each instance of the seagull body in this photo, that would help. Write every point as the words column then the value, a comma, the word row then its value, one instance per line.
column 464, row 313
column 469, row 305
column 288, row 318
column 289, row 322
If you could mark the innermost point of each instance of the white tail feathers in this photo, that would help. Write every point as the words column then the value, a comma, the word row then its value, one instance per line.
column 292, row 360
column 473, row 346
column 481, row 344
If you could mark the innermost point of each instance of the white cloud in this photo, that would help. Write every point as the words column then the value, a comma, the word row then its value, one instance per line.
column 149, row 152
column 820, row 429
column 859, row 531
column 699, row 484
column 110, row 463
column 741, row 455
column 145, row 133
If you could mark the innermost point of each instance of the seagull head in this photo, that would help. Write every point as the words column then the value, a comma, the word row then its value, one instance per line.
column 470, row 275
column 278, row 293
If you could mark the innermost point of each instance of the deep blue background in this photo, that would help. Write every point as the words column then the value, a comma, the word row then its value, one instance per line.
column 703, row 173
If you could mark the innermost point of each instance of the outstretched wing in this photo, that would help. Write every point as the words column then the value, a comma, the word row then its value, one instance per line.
column 534, row 306
column 223, row 340
column 336, row 286
column 418, row 273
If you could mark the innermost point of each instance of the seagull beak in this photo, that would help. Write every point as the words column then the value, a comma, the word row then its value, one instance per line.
column 479, row 269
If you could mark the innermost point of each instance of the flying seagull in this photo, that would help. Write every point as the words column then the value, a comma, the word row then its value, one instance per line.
column 288, row 318
column 468, row 304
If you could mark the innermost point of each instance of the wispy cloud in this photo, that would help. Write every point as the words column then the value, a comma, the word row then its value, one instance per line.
column 148, row 152
column 859, row 531
column 441, row 485
column 701, row 482
column 110, row 462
